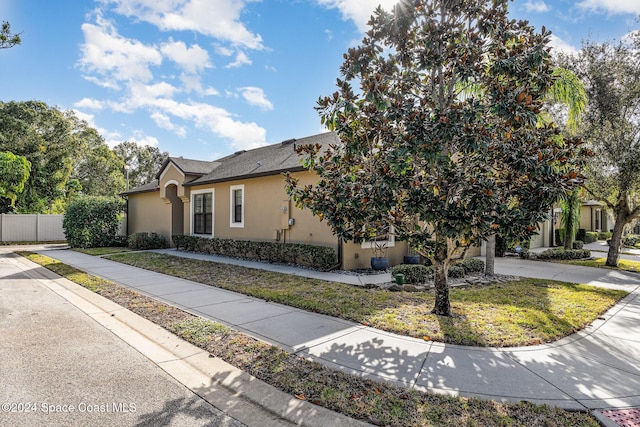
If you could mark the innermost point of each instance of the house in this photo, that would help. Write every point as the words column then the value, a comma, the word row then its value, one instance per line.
column 594, row 217
column 241, row 196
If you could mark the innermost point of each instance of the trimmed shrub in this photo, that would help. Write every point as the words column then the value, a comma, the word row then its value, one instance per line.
column 560, row 253
column 456, row 272
column 581, row 234
column 317, row 257
column 413, row 273
column 631, row 240
column 92, row 222
column 472, row 265
column 604, row 235
column 578, row 244
column 590, row 237
column 144, row 241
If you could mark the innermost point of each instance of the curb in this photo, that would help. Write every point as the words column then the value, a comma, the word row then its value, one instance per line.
column 240, row 395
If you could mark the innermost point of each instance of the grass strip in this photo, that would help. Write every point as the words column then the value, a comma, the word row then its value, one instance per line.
column 102, row 251
column 356, row 397
column 517, row 313
column 623, row 264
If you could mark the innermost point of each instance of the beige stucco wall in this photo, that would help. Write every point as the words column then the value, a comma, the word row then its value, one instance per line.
column 148, row 212
column 171, row 175
column 264, row 217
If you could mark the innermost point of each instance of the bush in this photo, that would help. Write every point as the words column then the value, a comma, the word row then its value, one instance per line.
column 144, row 241
column 590, row 237
column 92, row 222
column 413, row 273
column 604, row 235
column 578, row 244
column 560, row 253
column 456, row 272
column 631, row 240
column 580, row 235
column 472, row 265
column 317, row 257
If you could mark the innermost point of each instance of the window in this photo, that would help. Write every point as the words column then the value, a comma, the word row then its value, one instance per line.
column 385, row 239
column 237, row 206
column 203, row 213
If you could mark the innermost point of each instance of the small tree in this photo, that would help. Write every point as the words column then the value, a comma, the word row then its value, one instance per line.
column 92, row 222
column 419, row 151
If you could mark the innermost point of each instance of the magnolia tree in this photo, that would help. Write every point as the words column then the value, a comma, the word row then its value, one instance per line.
column 611, row 127
column 421, row 151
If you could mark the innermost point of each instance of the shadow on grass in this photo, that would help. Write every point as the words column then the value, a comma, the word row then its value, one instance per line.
column 518, row 313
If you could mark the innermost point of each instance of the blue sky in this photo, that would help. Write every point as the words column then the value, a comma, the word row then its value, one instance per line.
column 204, row 78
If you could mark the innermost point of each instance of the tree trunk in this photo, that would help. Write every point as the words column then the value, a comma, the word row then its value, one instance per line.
column 442, row 305
column 490, row 257
column 616, row 240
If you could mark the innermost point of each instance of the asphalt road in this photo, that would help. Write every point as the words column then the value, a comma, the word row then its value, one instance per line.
column 60, row 367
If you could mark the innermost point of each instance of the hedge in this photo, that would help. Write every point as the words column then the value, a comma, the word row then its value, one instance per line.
column 413, row 273
column 590, row 237
column 316, row 257
column 145, row 241
column 631, row 240
column 472, row 265
column 560, row 253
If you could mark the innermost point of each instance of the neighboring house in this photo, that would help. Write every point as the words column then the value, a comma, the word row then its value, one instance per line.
column 593, row 216
column 241, row 196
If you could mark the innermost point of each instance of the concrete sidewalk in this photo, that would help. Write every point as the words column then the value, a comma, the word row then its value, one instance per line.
column 64, row 347
column 595, row 369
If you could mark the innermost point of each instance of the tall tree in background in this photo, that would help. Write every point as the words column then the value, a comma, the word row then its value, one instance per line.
column 143, row 160
column 611, row 75
column 7, row 38
column 46, row 137
column 97, row 166
column 14, row 173
column 419, row 153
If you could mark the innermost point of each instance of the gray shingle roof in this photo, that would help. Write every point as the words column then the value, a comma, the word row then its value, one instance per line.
column 189, row 166
column 145, row 188
column 263, row 161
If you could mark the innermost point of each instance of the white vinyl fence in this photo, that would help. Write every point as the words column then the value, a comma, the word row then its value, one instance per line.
column 31, row 228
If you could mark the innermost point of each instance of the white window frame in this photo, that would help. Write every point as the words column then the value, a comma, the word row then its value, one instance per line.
column 232, row 190
column 213, row 211
column 389, row 243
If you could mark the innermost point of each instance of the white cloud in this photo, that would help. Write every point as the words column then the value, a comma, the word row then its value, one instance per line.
column 611, row 6
column 191, row 59
column 255, row 96
column 91, row 104
column 243, row 135
column 114, row 57
column 241, row 59
column 536, row 6
column 163, row 121
column 359, row 11
column 560, row 45
column 142, row 139
column 215, row 18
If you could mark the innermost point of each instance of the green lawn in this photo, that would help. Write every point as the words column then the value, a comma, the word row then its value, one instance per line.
column 102, row 251
column 354, row 396
column 623, row 264
column 524, row 312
